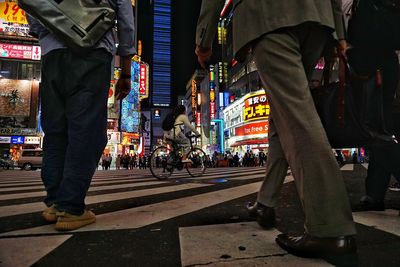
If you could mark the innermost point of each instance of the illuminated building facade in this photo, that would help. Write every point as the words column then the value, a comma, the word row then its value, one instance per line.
column 161, row 94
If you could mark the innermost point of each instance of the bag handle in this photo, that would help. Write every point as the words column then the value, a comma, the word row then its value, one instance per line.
column 343, row 73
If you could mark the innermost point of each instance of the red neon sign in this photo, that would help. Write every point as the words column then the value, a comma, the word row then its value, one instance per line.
column 198, row 119
column 252, row 128
column 20, row 51
column 143, row 80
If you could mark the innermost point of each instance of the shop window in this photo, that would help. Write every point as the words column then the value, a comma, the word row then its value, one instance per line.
column 19, row 70
column 29, row 153
column 8, row 69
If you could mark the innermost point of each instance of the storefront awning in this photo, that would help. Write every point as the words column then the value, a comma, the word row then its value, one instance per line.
column 250, row 142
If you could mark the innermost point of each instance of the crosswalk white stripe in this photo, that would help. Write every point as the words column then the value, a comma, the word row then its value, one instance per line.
column 94, row 182
column 388, row 220
column 39, row 185
column 38, row 206
column 19, row 182
column 34, row 248
column 225, row 239
column 149, row 214
column 222, row 175
column 347, row 167
column 91, row 189
column 147, row 174
column 169, row 208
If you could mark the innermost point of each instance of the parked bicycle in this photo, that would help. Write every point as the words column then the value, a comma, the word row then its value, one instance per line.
column 165, row 159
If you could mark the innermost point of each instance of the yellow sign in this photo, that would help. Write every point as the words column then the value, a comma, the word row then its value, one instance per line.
column 212, row 95
column 11, row 12
column 256, row 107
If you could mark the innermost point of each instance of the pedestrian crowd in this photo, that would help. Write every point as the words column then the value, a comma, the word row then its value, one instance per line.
column 126, row 161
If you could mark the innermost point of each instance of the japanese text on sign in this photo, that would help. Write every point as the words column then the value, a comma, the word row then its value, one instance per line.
column 20, row 51
column 256, row 107
column 144, row 81
column 12, row 19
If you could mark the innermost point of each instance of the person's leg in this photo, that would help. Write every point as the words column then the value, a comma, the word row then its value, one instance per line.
column 86, row 111
column 184, row 142
column 390, row 74
column 378, row 176
column 276, row 169
column 54, row 124
column 302, row 137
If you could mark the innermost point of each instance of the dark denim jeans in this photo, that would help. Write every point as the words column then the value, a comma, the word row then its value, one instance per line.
column 73, row 92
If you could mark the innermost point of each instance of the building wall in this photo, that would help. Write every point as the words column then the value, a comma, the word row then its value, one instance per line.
column 161, row 95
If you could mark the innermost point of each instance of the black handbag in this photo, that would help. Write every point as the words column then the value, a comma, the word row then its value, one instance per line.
column 375, row 23
column 351, row 110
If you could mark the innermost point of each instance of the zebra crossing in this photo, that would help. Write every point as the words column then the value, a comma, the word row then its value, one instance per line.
column 131, row 200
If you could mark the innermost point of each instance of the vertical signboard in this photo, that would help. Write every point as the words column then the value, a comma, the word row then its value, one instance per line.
column 212, row 93
column 144, row 81
column 130, row 104
column 194, row 93
column 198, row 119
column 147, row 131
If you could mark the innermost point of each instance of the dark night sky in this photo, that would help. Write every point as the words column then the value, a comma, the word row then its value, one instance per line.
column 184, row 61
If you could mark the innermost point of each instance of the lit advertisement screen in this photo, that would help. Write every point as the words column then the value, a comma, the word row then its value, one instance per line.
column 130, row 116
column 256, row 107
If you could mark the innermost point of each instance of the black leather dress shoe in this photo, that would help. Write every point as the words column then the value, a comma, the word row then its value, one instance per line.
column 308, row 246
column 265, row 215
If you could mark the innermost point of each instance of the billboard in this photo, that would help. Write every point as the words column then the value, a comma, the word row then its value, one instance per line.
column 17, row 51
column 18, row 106
column 260, row 127
column 130, row 116
column 12, row 19
column 144, row 81
column 256, row 107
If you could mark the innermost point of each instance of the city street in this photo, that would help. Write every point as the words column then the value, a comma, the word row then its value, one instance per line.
column 179, row 222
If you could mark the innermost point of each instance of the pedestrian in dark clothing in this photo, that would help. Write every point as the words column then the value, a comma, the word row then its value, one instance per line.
column 236, row 160
column 366, row 58
column 354, row 157
column 339, row 157
column 73, row 95
column 384, row 161
column 261, row 157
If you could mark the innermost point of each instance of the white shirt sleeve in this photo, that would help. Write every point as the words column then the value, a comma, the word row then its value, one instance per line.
column 185, row 120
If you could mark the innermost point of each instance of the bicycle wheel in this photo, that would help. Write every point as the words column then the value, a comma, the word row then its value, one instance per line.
column 198, row 165
column 161, row 163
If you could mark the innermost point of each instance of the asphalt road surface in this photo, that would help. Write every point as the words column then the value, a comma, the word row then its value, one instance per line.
column 180, row 222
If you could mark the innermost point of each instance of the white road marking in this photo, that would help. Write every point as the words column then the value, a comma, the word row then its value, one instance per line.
column 149, row 214
column 25, row 251
column 388, row 220
column 38, row 206
column 243, row 244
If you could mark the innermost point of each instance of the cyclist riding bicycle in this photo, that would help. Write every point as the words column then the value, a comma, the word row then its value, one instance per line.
column 177, row 132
